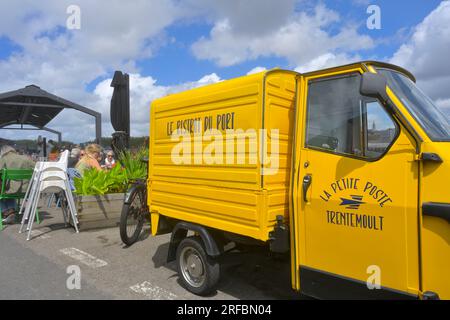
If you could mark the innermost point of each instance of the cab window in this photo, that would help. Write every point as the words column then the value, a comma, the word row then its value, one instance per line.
column 340, row 120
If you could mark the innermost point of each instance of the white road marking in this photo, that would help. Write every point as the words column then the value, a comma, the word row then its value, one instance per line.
column 38, row 234
column 84, row 257
column 153, row 292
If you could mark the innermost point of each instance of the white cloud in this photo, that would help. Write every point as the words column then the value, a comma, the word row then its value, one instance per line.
column 61, row 61
column 112, row 35
column 327, row 60
column 143, row 90
column 426, row 54
column 301, row 38
column 256, row 70
column 247, row 17
column 79, row 127
column 444, row 104
column 208, row 79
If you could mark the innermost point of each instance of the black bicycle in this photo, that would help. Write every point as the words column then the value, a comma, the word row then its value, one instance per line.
column 135, row 211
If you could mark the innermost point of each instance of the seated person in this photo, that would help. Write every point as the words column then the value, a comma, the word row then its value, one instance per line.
column 10, row 159
column 73, row 173
column 54, row 154
column 75, row 155
column 109, row 160
column 90, row 159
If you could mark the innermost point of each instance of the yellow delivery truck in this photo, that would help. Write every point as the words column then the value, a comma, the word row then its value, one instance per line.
column 345, row 169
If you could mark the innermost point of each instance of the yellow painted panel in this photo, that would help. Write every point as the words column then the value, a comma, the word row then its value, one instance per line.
column 226, row 194
column 436, row 231
column 347, row 251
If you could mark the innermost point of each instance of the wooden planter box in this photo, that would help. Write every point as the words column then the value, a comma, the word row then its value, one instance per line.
column 99, row 211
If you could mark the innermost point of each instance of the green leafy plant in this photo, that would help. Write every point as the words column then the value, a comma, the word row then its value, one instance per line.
column 134, row 167
column 99, row 182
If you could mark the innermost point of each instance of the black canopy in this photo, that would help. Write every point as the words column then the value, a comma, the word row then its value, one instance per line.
column 36, row 107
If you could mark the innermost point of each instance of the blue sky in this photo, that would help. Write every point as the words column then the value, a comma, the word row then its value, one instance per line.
column 175, row 63
column 169, row 64
column 171, row 45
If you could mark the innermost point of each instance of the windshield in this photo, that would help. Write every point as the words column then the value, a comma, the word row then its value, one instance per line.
column 432, row 120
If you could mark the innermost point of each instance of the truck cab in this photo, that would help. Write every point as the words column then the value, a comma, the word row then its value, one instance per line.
column 370, row 208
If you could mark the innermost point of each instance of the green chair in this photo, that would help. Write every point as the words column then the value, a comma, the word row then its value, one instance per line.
column 17, row 175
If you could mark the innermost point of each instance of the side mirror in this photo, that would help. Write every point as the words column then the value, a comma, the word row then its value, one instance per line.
column 374, row 85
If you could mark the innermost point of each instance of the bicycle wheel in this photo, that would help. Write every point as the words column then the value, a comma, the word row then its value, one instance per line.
column 132, row 217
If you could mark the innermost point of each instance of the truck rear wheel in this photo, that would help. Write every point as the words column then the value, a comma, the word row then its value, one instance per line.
column 198, row 272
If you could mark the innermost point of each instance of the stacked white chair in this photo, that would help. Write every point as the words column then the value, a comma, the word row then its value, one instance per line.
column 48, row 177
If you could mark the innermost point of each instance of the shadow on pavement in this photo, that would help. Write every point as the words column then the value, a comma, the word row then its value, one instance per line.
column 244, row 272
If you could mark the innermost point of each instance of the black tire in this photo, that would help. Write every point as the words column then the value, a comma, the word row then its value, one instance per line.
column 209, row 270
column 132, row 217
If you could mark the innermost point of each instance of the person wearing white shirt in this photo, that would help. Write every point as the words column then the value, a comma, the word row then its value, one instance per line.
column 109, row 160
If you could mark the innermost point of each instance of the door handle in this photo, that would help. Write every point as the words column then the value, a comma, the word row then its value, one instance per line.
column 306, row 184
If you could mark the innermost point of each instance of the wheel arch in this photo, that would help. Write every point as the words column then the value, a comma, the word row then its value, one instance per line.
column 179, row 232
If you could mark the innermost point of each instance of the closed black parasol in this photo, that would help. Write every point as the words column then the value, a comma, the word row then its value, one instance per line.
column 120, row 111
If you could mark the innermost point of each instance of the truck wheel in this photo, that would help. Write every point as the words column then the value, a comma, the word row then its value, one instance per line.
column 198, row 272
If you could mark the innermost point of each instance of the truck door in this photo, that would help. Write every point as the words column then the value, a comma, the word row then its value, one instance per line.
column 357, row 196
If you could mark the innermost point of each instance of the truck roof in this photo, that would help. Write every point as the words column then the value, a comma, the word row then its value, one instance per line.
column 262, row 74
column 374, row 63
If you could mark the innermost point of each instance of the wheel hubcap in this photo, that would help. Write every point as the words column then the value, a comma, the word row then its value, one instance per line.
column 192, row 267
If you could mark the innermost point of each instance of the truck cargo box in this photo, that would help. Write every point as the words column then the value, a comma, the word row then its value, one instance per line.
column 233, row 195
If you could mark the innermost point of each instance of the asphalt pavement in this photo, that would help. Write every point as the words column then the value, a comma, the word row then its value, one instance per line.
column 57, row 263
column 27, row 275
